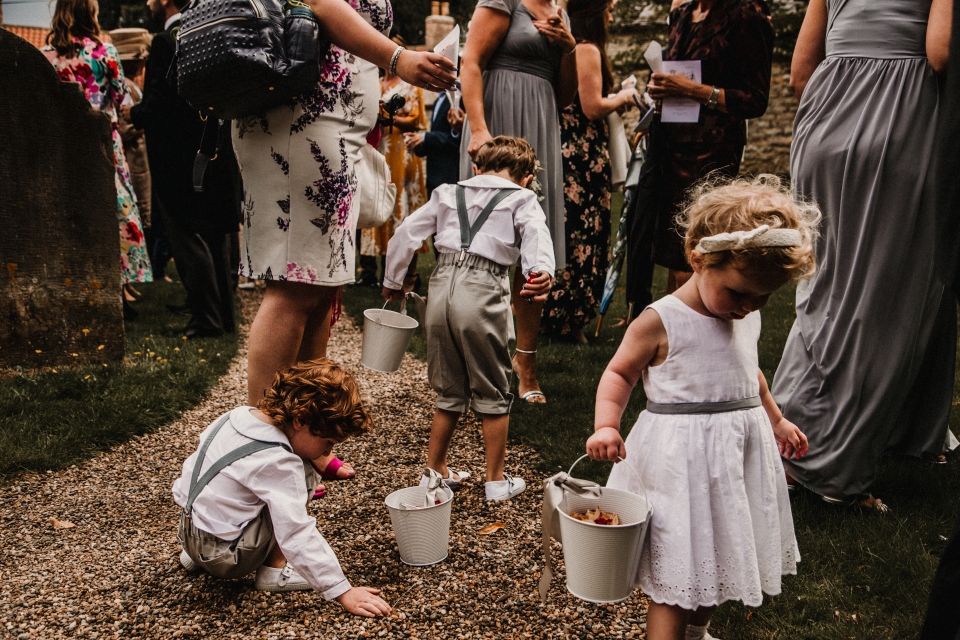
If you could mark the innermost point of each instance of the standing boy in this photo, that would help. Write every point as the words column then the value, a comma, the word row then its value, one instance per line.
column 482, row 226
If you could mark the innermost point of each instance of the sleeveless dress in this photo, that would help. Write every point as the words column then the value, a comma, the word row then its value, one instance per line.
column 868, row 364
column 298, row 165
column 96, row 68
column 721, row 527
column 519, row 100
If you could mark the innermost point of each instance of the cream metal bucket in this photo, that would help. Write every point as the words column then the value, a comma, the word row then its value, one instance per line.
column 423, row 535
column 601, row 560
column 386, row 336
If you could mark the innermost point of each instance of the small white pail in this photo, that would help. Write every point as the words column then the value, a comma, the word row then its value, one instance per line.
column 423, row 535
column 602, row 560
column 386, row 336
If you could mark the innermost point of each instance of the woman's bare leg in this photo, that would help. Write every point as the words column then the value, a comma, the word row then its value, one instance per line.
column 278, row 330
column 528, row 327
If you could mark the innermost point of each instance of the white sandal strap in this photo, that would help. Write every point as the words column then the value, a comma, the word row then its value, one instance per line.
column 524, row 351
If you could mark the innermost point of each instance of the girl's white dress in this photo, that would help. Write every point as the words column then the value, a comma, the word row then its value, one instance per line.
column 721, row 527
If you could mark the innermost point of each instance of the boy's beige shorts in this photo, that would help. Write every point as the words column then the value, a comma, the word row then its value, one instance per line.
column 468, row 327
column 235, row 558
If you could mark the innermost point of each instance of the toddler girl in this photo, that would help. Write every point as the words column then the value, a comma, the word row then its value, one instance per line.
column 721, row 527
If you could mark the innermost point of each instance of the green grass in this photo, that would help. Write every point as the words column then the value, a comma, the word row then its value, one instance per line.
column 861, row 575
column 53, row 418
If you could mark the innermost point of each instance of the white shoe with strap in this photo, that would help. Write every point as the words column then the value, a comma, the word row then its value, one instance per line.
column 453, row 483
column 286, row 579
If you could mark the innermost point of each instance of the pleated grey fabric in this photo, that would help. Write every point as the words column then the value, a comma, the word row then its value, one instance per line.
column 868, row 365
column 519, row 100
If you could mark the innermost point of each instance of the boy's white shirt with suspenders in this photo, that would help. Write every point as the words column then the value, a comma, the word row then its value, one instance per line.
column 516, row 228
column 261, row 471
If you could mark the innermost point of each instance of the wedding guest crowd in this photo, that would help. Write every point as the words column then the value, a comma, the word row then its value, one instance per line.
column 868, row 367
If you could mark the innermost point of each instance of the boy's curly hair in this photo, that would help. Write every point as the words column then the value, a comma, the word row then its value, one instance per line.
column 321, row 395
column 717, row 205
column 504, row 152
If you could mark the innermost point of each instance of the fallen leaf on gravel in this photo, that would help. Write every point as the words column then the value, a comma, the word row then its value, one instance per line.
column 61, row 524
column 491, row 528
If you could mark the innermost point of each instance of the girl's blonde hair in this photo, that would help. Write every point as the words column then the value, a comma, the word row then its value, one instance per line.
column 720, row 205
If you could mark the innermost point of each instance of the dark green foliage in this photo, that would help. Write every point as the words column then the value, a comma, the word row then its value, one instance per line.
column 646, row 20
column 51, row 419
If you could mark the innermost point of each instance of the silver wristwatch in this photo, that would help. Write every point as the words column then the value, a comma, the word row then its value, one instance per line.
column 714, row 96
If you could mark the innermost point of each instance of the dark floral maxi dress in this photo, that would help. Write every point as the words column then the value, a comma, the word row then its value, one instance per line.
column 586, row 206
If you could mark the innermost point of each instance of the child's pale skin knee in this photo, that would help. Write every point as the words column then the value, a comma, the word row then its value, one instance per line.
column 495, row 428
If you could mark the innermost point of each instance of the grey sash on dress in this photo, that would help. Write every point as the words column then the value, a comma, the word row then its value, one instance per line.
column 686, row 408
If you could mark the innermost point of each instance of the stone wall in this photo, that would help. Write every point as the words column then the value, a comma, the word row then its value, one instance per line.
column 60, row 242
column 769, row 137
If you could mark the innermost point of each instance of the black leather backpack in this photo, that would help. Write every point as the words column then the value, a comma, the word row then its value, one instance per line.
column 237, row 58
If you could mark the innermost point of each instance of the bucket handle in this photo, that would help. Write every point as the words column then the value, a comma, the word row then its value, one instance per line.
column 403, row 310
column 619, row 459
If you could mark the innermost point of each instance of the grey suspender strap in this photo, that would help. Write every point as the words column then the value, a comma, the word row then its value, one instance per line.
column 468, row 231
column 196, row 486
column 685, row 408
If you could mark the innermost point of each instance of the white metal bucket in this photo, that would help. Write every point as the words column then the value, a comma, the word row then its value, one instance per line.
column 386, row 336
column 423, row 535
column 602, row 560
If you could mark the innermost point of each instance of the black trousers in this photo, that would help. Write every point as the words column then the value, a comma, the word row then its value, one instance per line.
column 641, row 212
column 203, row 262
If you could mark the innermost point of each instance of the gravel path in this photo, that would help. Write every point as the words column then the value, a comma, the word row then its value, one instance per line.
column 115, row 573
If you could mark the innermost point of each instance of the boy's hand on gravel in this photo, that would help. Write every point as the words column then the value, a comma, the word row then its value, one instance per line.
column 391, row 294
column 606, row 444
column 364, row 601
column 536, row 287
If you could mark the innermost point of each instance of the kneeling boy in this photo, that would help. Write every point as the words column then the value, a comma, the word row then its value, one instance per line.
column 244, row 493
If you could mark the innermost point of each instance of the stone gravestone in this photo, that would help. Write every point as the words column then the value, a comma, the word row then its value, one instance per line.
column 59, row 238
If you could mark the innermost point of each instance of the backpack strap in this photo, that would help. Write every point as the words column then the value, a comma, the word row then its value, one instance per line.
column 467, row 231
column 196, row 486
column 207, row 152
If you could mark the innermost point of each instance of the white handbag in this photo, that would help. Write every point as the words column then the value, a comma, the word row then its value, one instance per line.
column 619, row 150
column 376, row 195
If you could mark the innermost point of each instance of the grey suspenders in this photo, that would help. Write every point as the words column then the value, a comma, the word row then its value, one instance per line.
column 240, row 452
column 468, row 232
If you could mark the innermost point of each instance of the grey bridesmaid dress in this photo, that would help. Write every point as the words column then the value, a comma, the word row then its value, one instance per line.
column 868, row 365
column 519, row 100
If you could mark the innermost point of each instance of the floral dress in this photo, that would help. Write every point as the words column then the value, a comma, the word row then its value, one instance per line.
column 298, row 162
column 586, row 206
column 96, row 68
column 406, row 169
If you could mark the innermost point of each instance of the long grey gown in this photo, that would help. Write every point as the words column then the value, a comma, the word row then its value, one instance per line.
column 868, row 365
column 519, row 99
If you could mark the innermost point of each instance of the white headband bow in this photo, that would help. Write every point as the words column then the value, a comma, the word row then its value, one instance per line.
column 762, row 236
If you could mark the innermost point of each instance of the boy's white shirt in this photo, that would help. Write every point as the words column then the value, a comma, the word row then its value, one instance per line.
column 273, row 477
column 516, row 228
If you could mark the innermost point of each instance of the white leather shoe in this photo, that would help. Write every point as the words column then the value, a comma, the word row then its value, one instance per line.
column 187, row 563
column 504, row 489
column 453, row 483
column 286, row 579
